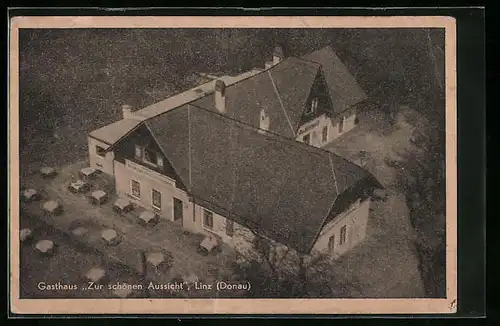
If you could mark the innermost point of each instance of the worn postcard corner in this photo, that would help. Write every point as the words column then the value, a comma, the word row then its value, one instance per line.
column 233, row 165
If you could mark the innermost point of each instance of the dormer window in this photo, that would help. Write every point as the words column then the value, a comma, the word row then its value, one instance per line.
column 148, row 156
column 138, row 152
column 314, row 106
column 100, row 151
column 159, row 160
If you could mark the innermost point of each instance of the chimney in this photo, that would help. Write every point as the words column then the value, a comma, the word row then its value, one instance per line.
column 277, row 54
column 220, row 96
column 127, row 111
column 263, row 121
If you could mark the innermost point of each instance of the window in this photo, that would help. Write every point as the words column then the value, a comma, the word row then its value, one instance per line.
column 100, row 151
column 229, row 227
column 136, row 189
column 156, row 199
column 150, row 156
column 138, row 152
column 178, row 210
column 159, row 161
column 324, row 135
column 343, row 234
column 314, row 106
column 306, row 139
column 341, row 125
column 208, row 219
column 331, row 243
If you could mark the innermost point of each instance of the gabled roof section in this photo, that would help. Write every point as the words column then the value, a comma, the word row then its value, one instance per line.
column 171, row 131
column 113, row 132
column 280, row 90
column 344, row 90
column 273, row 185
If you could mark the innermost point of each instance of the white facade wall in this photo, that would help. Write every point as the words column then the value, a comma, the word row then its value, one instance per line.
column 149, row 180
column 193, row 214
column 241, row 238
column 104, row 164
column 355, row 219
column 315, row 128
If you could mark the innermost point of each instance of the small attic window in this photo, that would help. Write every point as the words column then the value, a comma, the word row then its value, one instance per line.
column 100, row 151
column 313, row 107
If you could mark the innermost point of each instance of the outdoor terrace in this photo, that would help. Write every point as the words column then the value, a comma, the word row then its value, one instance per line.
column 78, row 212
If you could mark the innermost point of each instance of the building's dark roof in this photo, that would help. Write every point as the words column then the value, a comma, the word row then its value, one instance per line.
column 279, row 187
column 289, row 81
column 344, row 90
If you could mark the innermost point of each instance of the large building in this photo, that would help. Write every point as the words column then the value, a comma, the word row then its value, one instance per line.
column 223, row 158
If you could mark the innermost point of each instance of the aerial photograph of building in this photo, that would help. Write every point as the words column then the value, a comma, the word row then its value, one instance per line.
column 232, row 163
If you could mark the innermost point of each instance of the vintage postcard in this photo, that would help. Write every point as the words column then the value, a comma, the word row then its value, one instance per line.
column 232, row 165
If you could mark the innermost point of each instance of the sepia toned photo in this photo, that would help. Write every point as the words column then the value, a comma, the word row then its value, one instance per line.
column 221, row 165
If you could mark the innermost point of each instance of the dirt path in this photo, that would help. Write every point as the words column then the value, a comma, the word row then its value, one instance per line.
column 386, row 263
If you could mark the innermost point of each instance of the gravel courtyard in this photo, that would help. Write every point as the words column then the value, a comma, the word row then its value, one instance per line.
column 79, row 213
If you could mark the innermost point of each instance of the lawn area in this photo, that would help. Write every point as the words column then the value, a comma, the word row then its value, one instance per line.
column 78, row 212
column 385, row 264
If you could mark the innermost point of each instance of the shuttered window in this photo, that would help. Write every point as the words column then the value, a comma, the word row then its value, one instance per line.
column 136, row 189
column 343, row 234
column 156, row 198
column 208, row 219
column 324, row 135
column 331, row 243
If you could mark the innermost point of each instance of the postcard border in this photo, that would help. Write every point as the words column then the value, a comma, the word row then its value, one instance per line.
column 239, row 306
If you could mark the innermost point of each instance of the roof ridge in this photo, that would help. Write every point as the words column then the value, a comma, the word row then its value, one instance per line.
column 333, row 173
column 281, row 103
column 306, row 60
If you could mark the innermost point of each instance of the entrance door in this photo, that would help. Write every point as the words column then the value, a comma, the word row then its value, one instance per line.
column 178, row 210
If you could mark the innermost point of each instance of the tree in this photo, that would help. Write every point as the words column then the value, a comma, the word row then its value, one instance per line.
column 422, row 177
column 276, row 270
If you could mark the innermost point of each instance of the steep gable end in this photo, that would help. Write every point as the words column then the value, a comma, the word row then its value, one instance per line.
column 344, row 90
column 280, row 91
